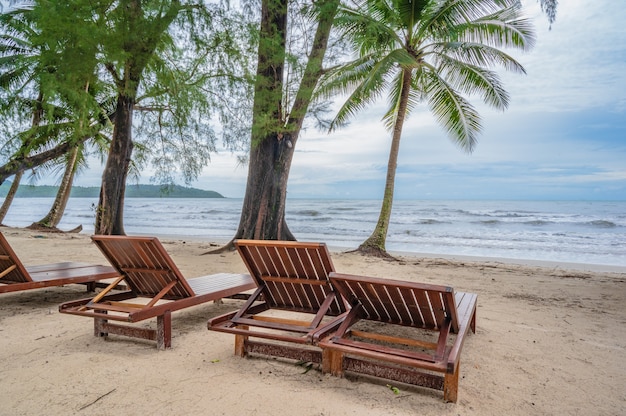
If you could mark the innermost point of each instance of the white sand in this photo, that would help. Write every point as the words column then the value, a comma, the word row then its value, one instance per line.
column 549, row 341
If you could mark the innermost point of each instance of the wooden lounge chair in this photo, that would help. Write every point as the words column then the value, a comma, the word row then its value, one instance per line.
column 414, row 307
column 292, row 278
column 157, row 288
column 14, row 276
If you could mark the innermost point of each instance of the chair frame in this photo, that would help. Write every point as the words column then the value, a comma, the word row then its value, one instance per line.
column 431, row 308
column 16, row 277
column 292, row 278
column 157, row 288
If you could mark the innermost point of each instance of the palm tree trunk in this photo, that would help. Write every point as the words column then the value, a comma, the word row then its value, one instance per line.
column 37, row 114
column 8, row 200
column 375, row 244
column 54, row 216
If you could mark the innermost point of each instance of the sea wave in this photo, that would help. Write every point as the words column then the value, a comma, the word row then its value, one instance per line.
column 558, row 231
column 602, row 224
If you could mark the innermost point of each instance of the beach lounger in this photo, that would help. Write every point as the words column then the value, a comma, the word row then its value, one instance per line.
column 293, row 305
column 361, row 344
column 14, row 276
column 157, row 288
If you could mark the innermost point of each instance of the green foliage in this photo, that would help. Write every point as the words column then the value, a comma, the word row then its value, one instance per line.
column 450, row 49
column 199, row 77
column 49, row 100
column 186, row 66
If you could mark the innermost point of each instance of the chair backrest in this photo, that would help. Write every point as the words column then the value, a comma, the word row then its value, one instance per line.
column 293, row 275
column 398, row 302
column 11, row 268
column 145, row 265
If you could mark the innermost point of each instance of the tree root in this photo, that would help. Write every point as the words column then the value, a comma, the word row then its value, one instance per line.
column 230, row 246
column 373, row 252
column 40, row 227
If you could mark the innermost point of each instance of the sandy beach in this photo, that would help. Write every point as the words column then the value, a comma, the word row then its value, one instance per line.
column 549, row 341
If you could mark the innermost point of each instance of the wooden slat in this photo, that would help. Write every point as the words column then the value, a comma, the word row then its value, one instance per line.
column 107, row 289
column 7, row 270
column 287, row 292
column 438, row 308
column 401, row 300
column 383, row 350
column 126, row 305
column 416, row 305
column 19, row 274
column 394, row 339
column 159, row 296
column 281, row 320
column 428, row 318
column 144, row 270
column 294, row 274
column 296, row 261
column 292, row 277
column 146, row 264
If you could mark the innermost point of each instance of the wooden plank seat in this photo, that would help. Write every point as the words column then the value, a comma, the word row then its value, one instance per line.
column 156, row 289
column 15, row 276
column 437, row 318
column 293, row 304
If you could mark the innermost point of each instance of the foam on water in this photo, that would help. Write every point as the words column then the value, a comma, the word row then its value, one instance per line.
column 578, row 232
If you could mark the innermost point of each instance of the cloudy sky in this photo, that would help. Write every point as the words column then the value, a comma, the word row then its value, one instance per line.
column 562, row 138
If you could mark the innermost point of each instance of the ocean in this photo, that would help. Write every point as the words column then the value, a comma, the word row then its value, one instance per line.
column 590, row 232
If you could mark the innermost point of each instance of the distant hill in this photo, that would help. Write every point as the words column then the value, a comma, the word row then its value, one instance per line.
column 132, row 191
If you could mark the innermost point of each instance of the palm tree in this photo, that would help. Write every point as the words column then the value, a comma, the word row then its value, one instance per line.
column 18, row 63
column 55, row 117
column 432, row 51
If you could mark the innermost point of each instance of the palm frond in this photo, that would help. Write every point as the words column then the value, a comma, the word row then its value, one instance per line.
column 410, row 12
column 371, row 86
column 415, row 97
column 502, row 29
column 478, row 54
column 454, row 113
column 472, row 79
column 365, row 32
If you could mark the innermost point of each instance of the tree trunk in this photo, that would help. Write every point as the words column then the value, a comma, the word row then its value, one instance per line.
column 22, row 163
column 142, row 33
column 52, row 219
column 110, row 212
column 37, row 114
column 375, row 244
column 10, row 195
column 274, row 140
column 263, row 211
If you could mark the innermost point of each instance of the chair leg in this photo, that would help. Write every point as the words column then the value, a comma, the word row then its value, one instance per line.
column 451, row 385
column 473, row 322
column 164, row 331
column 332, row 362
column 98, row 326
column 240, row 344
